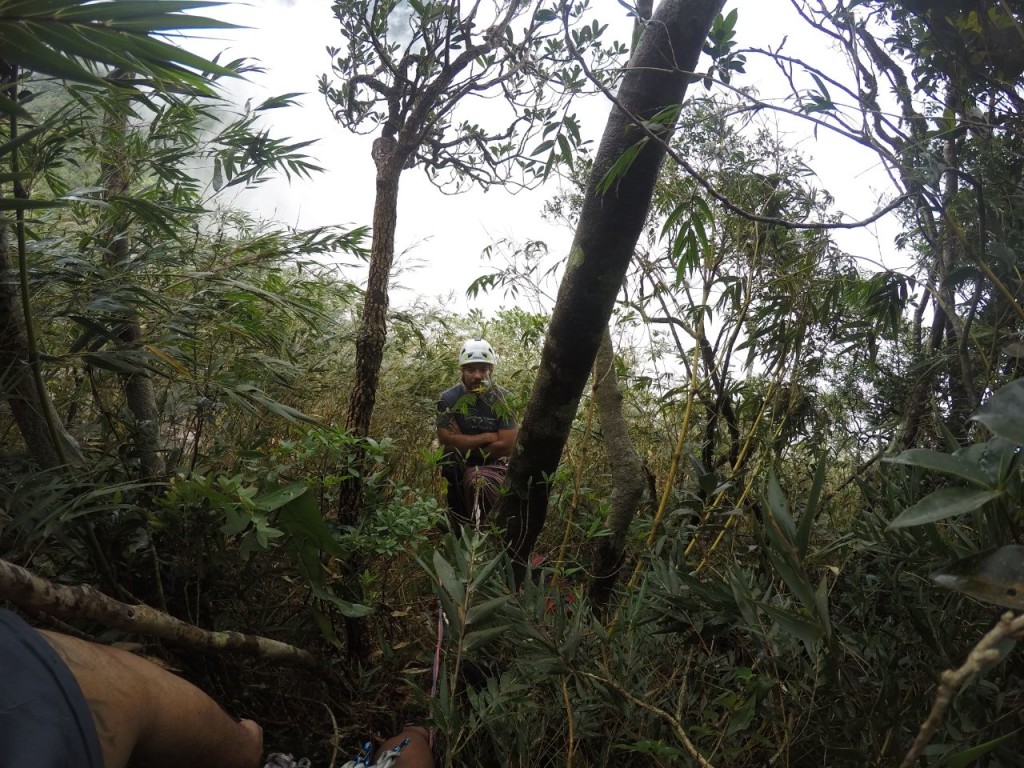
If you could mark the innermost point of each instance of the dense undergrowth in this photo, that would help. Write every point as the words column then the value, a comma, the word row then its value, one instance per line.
column 791, row 643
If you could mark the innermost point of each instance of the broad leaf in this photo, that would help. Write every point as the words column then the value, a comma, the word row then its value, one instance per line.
column 942, row 462
column 300, row 517
column 1003, row 414
column 944, row 503
column 995, row 577
column 277, row 499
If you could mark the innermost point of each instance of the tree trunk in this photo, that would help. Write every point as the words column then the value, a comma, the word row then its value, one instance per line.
column 32, row 409
column 609, row 226
column 370, row 338
column 140, row 396
column 372, row 332
column 48, row 443
column 627, row 472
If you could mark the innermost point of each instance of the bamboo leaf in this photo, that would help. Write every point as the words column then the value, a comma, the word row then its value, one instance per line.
column 449, row 581
column 965, row 757
column 481, row 637
column 779, row 507
column 482, row 611
column 808, row 632
column 345, row 608
column 803, row 533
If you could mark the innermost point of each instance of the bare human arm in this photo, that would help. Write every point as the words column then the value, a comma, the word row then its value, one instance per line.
column 451, row 438
column 494, row 445
column 147, row 716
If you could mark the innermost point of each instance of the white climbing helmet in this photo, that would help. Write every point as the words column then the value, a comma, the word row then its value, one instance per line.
column 476, row 351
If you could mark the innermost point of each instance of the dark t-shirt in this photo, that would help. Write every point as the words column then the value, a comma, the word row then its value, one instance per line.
column 44, row 720
column 475, row 414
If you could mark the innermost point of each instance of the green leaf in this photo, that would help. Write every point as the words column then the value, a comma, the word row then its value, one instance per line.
column 1003, row 414
column 801, row 628
column 822, row 612
column 449, row 581
column 942, row 462
column 996, row 576
column 803, row 533
column 944, row 503
column 965, row 757
column 326, row 628
column 300, row 517
column 481, row 612
column 345, row 608
column 795, row 579
column 484, row 573
column 621, row 166
column 779, row 507
column 742, row 716
column 474, row 640
column 236, row 522
column 268, row 502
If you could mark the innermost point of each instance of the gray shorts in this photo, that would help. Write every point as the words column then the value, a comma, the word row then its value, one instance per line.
column 44, row 720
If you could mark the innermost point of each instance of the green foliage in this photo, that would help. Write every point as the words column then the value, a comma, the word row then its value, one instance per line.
column 787, row 597
column 992, row 466
column 406, row 67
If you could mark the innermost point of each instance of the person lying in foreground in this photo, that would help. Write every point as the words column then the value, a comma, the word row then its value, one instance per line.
column 69, row 703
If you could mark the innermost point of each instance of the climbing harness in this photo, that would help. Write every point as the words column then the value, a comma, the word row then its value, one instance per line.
column 362, row 760
column 385, row 760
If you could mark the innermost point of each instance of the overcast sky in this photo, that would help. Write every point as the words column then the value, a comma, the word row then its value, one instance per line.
column 441, row 237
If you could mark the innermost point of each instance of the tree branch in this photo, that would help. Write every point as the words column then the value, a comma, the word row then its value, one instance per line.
column 24, row 588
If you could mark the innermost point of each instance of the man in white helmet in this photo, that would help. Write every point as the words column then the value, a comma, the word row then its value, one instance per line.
column 477, row 428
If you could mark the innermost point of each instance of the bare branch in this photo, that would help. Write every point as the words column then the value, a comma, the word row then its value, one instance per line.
column 24, row 588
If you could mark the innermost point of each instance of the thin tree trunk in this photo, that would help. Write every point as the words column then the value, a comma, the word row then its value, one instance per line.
column 627, row 472
column 372, row 332
column 140, row 395
column 48, row 443
column 370, row 339
column 33, row 410
column 606, row 235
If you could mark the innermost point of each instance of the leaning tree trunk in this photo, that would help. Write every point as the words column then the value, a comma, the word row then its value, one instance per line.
column 627, row 472
column 610, row 223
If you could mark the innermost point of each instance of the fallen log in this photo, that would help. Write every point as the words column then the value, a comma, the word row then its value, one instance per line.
column 25, row 589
